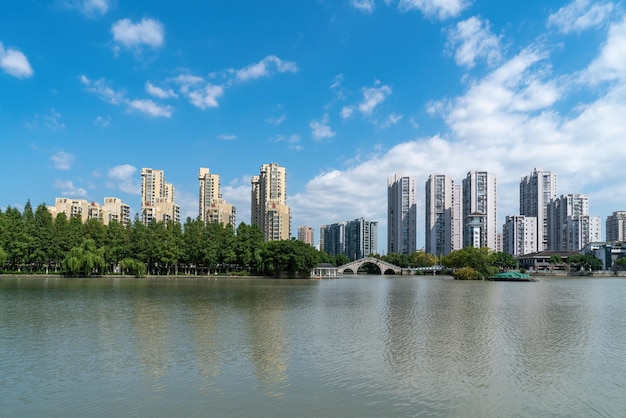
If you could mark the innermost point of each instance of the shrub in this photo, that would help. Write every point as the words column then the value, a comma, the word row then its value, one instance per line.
column 467, row 273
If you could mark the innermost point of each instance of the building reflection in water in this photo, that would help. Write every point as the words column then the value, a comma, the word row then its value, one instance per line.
column 267, row 341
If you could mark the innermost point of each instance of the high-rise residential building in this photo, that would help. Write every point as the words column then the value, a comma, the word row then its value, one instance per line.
column 157, row 198
column 616, row 227
column 333, row 238
column 401, row 215
column 211, row 206
column 116, row 210
column 306, row 234
column 113, row 209
column 519, row 235
column 443, row 215
column 479, row 210
column 536, row 191
column 269, row 207
column 361, row 238
column 355, row 239
column 580, row 231
column 558, row 211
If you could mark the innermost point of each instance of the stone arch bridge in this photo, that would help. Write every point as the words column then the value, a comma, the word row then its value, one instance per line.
column 385, row 268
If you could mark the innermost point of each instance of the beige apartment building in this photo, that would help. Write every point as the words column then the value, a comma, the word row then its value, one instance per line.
column 113, row 209
column 269, row 207
column 157, row 198
column 212, row 207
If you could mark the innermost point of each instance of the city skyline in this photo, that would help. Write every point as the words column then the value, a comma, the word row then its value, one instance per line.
column 342, row 94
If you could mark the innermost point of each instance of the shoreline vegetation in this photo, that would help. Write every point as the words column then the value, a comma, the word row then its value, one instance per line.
column 35, row 242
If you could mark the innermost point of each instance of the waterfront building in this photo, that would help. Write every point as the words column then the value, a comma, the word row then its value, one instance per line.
column 607, row 252
column 361, row 237
column 443, row 215
column 479, row 210
column 157, row 198
column 113, row 209
column 322, row 238
column 333, row 237
column 616, row 227
column 519, row 235
column 306, row 234
column 211, row 206
column 536, row 191
column 580, row 230
column 401, row 215
column 269, row 209
column 559, row 211
column 116, row 210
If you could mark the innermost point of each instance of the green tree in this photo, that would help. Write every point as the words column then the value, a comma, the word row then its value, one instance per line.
column 94, row 229
column 3, row 258
column 292, row 257
column 503, row 261
column 584, row 262
column 133, row 266
column 341, row 259
column 192, row 244
column 43, row 233
column 422, row 259
column 16, row 239
column 116, row 244
column 479, row 259
column 555, row 259
column 248, row 246
column 85, row 260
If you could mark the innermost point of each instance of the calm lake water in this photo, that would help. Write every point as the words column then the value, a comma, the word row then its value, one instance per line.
column 366, row 346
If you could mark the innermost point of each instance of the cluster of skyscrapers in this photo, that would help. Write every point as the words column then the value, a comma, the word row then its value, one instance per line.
column 457, row 214
column 465, row 215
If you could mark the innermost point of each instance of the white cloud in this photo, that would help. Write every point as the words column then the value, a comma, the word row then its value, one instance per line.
column 103, row 121
column 226, row 137
column 132, row 35
column 580, row 15
column 108, row 94
column 365, row 5
column 610, row 64
column 158, row 92
column 276, row 121
column 206, row 96
column 90, row 8
column 440, row 9
column 372, row 97
column 293, row 140
column 62, row 160
column 123, row 177
column 15, row 63
column 321, row 129
column 472, row 39
column 264, row 68
column 347, row 111
column 150, row 108
column 391, row 120
column 69, row 190
column 100, row 88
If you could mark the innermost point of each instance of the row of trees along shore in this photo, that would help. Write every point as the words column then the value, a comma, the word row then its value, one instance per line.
column 35, row 242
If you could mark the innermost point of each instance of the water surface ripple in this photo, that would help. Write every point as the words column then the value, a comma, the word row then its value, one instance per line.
column 367, row 346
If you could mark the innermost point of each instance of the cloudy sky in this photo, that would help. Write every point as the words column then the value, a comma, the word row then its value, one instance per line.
column 343, row 93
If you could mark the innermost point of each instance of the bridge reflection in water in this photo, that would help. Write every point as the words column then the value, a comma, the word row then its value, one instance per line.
column 385, row 267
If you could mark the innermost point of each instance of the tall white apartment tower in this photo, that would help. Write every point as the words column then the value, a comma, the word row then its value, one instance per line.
column 157, row 198
column 443, row 215
column 401, row 215
column 269, row 207
column 559, row 210
column 536, row 191
column 570, row 226
column 519, row 235
column 479, row 210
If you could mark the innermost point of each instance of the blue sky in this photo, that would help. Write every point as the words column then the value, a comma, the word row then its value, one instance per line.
column 344, row 94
